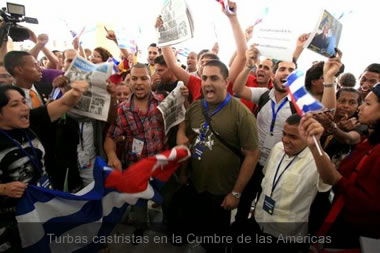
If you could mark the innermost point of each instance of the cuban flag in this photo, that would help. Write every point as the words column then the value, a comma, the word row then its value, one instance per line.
column 54, row 221
column 183, row 52
column 302, row 100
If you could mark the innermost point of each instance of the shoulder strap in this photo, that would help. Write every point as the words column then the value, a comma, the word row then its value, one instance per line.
column 264, row 98
column 235, row 150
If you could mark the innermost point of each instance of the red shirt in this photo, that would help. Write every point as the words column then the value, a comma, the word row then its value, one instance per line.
column 361, row 198
column 194, row 85
column 251, row 82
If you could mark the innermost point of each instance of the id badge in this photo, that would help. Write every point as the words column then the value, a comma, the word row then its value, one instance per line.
column 137, row 146
column 269, row 142
column 198, row 151
column 269, row 204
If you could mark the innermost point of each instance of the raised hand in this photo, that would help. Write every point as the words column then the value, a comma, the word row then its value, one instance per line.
column 42, row 39
column 252, row 55
column 332, row 66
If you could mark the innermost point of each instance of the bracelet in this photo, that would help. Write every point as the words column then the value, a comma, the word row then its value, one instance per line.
column 328, row 85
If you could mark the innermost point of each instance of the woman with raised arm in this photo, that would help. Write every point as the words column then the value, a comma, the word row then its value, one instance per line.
column 356, row 182
column 22, row 153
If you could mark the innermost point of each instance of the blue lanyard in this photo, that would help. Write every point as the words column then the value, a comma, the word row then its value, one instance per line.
column 275, row 182
column 274, row 114
column 32, row 159
column 220, row 107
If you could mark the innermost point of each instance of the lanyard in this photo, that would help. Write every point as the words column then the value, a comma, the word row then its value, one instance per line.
column 275, row 182
column 274, row 114
column 32, row 159
column 220, row 107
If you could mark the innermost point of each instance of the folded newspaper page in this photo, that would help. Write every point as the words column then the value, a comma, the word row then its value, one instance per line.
column 326, row 35
column 95, row 102
column 177, row 25
column 172, row 108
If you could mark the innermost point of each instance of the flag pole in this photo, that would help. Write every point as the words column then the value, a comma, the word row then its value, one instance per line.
column 318, row 147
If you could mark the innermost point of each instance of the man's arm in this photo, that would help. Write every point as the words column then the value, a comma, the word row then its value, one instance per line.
column 299, row 46
column 112, row 36
column 181, row 135
column 110, row 150
column 171, row 61
column 40, row 43
column 246, row 172
column 239, row 87
column 68, row 100
column 241, row 44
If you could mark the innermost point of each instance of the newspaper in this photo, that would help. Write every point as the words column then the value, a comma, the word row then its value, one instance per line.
column 178, row 24
column 326, row 35
column 272, row 41
column 95, row 102
column 172, row 108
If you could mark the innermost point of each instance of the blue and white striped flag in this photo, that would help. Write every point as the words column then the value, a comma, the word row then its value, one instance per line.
column 55, row 221
column 302, row 100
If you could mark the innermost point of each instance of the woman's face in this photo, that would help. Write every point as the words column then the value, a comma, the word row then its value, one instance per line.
column 347, row 104
column 96, row 58
column 122, row 92
column 369, row 111
column 15, row 114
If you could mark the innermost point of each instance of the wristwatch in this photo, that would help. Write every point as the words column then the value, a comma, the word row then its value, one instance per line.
column 236, row 194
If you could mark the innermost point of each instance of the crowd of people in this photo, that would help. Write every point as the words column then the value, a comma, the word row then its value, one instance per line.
column 283, row 172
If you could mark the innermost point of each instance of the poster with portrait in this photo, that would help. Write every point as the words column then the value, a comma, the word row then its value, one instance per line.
column 326, row 35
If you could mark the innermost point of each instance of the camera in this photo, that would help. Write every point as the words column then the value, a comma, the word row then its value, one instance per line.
column 13, row 14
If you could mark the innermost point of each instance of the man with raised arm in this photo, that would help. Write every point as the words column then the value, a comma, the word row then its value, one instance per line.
column 194, row 83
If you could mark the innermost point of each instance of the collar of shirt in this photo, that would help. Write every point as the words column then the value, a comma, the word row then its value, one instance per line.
column 129, row 105
column 271, row 96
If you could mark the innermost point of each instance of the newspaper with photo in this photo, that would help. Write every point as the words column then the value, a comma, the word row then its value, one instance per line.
column 178, row 25
column 172, row 108
column 95, row 102
column 326, row 35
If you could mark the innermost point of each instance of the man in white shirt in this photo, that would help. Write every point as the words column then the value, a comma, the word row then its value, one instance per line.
column 290, row 183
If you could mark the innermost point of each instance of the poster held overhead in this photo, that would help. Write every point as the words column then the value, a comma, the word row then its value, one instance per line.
column 326, row 35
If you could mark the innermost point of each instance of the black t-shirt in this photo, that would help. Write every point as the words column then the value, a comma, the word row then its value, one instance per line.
column 15, row 165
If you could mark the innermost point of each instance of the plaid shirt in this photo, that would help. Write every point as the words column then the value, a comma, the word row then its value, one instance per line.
column 147, row 127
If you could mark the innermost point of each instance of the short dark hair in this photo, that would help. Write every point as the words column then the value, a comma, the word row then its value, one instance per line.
column 4, row 98
column 14, row 59
column 160, row 60
column 210, row 56
column 277, row 63
column 347, row 80
column 293, row 119
column 155, row 45
column 374, row 67
column 141, row 66
column 349, row 89
column 222, row 67
column 203, row 51
column 313, row 73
